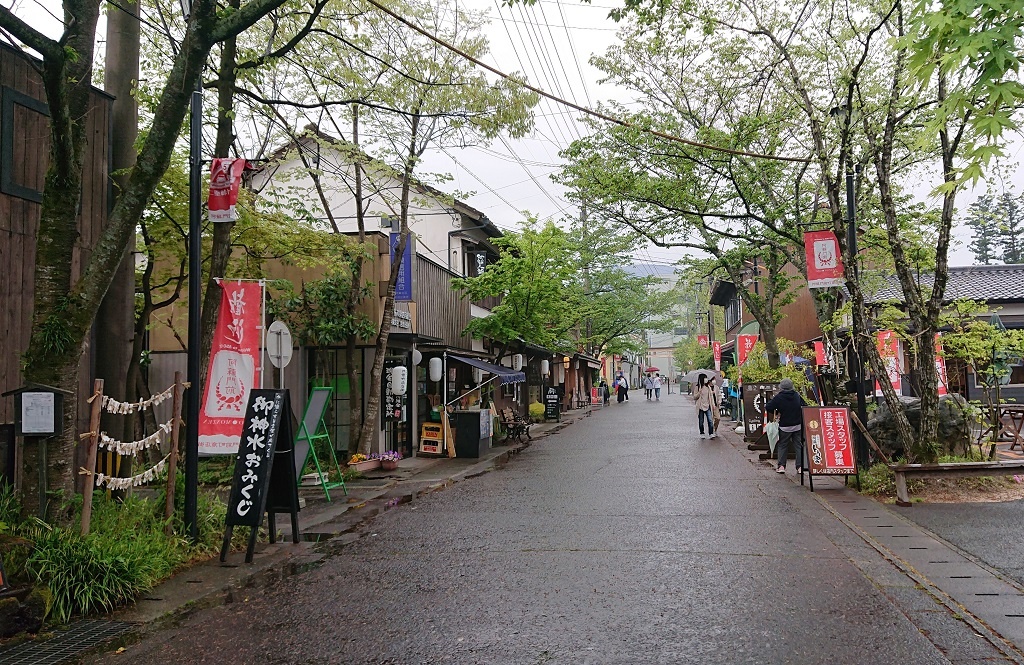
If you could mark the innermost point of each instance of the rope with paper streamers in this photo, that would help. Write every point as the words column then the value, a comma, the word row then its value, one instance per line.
column 115, row 483
column 111, row 405
column 133, row 447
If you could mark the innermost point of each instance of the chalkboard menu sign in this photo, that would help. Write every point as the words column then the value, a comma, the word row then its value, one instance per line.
column 264, row 479
column 755, row 396
column 552, row 404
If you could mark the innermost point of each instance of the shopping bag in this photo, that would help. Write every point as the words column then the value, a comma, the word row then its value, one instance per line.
column 772, row 430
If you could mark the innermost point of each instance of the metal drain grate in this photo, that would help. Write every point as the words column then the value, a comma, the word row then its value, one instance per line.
column 65, row 644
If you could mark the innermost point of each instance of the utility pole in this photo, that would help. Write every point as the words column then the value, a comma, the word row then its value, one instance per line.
column 858, row 365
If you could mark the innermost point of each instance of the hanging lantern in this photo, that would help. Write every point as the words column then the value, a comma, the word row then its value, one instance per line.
column 436, row 369
column 545, row 368
column 417, row 357
column 517, row 362
column 478, row 375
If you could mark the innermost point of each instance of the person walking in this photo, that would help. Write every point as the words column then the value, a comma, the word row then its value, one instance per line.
column 620, row 389
column 788, row 404
column 605, row 393
column 706, row 398
column 657, row 387
column 648, row 386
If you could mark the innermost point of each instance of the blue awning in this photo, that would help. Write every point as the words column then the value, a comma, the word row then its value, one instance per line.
column 505, row 374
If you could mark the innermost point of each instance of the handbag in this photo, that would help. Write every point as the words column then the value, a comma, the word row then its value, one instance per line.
column 772, row 430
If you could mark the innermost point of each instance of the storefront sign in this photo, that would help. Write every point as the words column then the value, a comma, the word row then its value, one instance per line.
column 755, row 396
column 552, row 404
column 225, row 178
column 392, row 407
column 889, row 348
column 829, row 441
column 235, row 366
column 824, row 263
column 940, row 366
column 744, row 344
column 717, row 349
column 819, row 354
column 264, row 478
column 703, row 341
column 403, row 286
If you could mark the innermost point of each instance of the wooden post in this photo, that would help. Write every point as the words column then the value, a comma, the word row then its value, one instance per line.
column 864, row 431
column 172, row 463
column 90, row 454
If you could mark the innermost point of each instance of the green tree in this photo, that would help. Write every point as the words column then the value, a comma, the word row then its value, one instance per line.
column 982, row 219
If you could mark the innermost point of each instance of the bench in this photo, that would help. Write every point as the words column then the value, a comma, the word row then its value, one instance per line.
column 515, row 426
column 950, row 470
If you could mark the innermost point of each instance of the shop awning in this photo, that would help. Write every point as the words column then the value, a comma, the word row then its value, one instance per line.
column 505, row 374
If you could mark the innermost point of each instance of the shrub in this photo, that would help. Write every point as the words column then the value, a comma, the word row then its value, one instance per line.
column 536, row 410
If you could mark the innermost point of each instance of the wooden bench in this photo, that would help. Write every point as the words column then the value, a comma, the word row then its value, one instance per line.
column 950, row 470
column 515, row 427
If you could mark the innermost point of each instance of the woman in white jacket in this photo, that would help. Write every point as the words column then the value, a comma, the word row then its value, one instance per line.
column 706, row 398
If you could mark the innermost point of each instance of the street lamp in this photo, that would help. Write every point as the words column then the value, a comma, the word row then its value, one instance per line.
column 195, row 273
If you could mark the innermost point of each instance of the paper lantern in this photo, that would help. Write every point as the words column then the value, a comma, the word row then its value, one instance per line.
column 399, row 380
column 417, row 357
column 544, row 367
column 517, row 362
column 436, row 369
column 478, row 375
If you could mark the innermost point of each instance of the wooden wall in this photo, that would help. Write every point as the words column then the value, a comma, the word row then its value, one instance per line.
column 24, row 169
column 441, row 311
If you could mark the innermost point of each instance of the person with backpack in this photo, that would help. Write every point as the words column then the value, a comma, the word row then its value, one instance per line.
column 788, row 404
column 706, row 398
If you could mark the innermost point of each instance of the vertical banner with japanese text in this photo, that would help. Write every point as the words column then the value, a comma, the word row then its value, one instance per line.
column 703, row 341
column 717, row 349
column 744, row 344
column 225, row 179
column 403, row 287
column 819, row 354
column 829, row 440
column 940, row 366
column 824, row 263
column 889, row 348
column 235, row 366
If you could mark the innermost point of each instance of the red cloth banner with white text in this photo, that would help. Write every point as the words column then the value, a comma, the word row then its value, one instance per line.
column 234, row 367
column 225, row 179
column 717, row 349
column 819, row 354
column 824, row 262
column 940, row 366
column 889, row 348
column 703, row 341
column 829, row 440
column 744, row 344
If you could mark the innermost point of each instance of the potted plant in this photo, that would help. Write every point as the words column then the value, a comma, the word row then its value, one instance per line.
column 389, row 460
column 361, row 463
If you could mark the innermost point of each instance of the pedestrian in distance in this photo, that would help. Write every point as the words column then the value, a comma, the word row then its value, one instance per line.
column 657, row 387
column 648, row 386
column 706, row 398
column 620, row 389
column 605, row 393
column 788, row 405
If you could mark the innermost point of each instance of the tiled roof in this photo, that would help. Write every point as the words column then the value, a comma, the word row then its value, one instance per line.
column 988, row 283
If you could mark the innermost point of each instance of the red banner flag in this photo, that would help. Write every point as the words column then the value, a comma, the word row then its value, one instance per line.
column 824, row 262
column 744, row 344
column 829, row 440
column 717, row 349
column 819, row 354
column 225, row 178
column 703, row 341
column 235, row 367
column 940, row 366
column 889, row 348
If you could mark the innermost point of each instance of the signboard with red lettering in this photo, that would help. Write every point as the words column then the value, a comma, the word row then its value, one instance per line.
column 703, row 341
column 824, row 262
column 829, row 439
column 940, row 366
column 889, row 348
column 744, row 344
column 717, row 348
column 225, row 178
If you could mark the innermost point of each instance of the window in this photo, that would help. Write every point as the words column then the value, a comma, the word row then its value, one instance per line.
column 732, row 313
column 21, row 171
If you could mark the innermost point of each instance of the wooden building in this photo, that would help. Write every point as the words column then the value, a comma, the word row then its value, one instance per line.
column 24, row 151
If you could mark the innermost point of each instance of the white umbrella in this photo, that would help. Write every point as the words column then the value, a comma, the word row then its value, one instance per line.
column 693, row 375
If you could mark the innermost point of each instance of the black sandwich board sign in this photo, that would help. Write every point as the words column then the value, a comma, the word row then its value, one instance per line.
column 264, row 470
column 552, row 404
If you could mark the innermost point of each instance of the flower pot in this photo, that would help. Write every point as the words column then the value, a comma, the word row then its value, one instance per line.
column 368, row 465
column 388, row 464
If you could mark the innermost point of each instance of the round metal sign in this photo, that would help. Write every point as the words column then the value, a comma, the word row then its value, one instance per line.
column 279, row 344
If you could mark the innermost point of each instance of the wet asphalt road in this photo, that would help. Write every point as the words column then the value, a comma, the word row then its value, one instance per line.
column 622, row 539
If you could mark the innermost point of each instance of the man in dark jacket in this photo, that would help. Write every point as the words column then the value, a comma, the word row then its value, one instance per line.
column 788, row 404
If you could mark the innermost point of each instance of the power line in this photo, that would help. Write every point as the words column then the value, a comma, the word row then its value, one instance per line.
column 582, row 109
